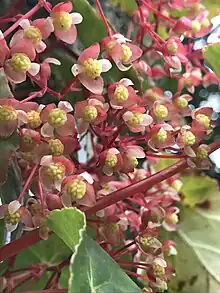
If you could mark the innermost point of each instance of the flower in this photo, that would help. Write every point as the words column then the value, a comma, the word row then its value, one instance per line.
column 191, row 78
column 122, row 52
column 122, row 95
column 202, row 118
column 57, row 119
column 92, row 111
column 88, row 69
column 171, row 219
column 63, row 22
column 130, row 153
column 78, row 189
column 136, row 120
column 181, row 104
column 53, row 170
column 161, row 136
column 111, row 161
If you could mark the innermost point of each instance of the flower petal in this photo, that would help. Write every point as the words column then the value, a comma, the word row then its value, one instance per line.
column 47, row 130
column 91, row 52
column 65, row 106
column 93, row 85
column 87, row 177
column 127, row 116
column 10, row 227
column 22, row 116
column 35, row 68
column 126, row 82
column 41, row 47
column 24, row 23
column 106, row 65
column 76, row 69
column 67, row 36
column 13, row 206
column 3, row 208
column 46, row 160
column 76, row 18
column 53, row 61
column 135, row 151
column 66, row 200
column 13, row 76
column 122, row 67
column 147, row 120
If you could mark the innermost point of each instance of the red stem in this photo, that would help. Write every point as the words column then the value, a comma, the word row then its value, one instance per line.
column 103, row 18
column 27, row 182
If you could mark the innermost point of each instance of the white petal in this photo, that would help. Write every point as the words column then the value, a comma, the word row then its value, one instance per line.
column 35, row 68
column 160, row 262
column 66, row 200
column 76, row 69
column 147, row 120
column 22, row 116
column 123, row 67
column 40, row 108
column 49, row 24
column 76, row 18
column 65, row 106
column 95, row 102
column 46, row 160
column 114, row 151
column 120, row 38
column 126, row 81
column 106, row 65
column 101, row 213
column 214, row 38
column 127, row 116
column 25, row 24
column 189, row 151
column 47, row 130
column 53, row 61
column 41, row 47
column 58, row 184
column 1, row 35
column 135, row 151
column 116, row 107
column 10, row 227
column 87, row 177
column 13, row 206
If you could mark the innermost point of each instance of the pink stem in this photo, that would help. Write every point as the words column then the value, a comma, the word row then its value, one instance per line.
column 27, row 182
column 103, row 18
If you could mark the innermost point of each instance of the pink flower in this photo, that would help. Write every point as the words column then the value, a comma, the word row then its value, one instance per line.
column 151, row 96
column 53, row 170
column 29, row 139
column 130, row 154
column 111, row 161
column 191, row 78
column 162, row 110
column 171, row 219
column 181, row 104
column 136, row 120
column 63, row 22
column 45, row 70
column 17, row 67
column 57, row 119
column 4, row 50
column 122, row 95
column 210, row 78
column 161, row 136
column 12, row 213
column 78, row 189
column 89, row 69
column 200, row 158
column 202, row 118
column 91, row 111
column 12, row 114
column 122, row 52
column 174, row 47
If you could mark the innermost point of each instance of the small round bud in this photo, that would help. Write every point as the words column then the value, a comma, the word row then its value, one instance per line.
column 172, row 219
column 172, row 47
column 196, row 26
column 133, row 161
column 159, row 271
column 137, row 119
column 12, row 218
column 202, row 153
column 161, row 135
column 204, row 120
column 205, row 23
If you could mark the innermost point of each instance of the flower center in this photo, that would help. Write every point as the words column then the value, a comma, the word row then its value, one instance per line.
column 160, row 112
column 34, row 120
column 146, row 242
column 204, row 120
column 133, row 161
column 121, row 94
column 159, row 271
column 161, row 135
column 7, row 113
column 76, row 188
column 56, row 171
column 36, row 209
column 172, row 219
column 57, row 117
column 205, row 23
column 92, row 68
column 126, row 53
column 172, row 48
column 27, row 139
column 181, row 103
column 20, row 62
column 90, row 113
column 188, row 82
column 136, row 119
column 196, row 26
column 188, row 138
column 177, row 184
column 202, row 153
column 56, row 147
column 13, row 218
column 62, row 20
column 110, row 46
column 111, row 160
column 33, row 34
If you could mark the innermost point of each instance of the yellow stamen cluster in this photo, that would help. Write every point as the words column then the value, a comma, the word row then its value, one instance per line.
column 76, row 189
column 57, row 117
column 56, row 171
column 7, row 113
column 160, row 136
column 188, row 138
column 126, row 53
column 121, row 94
column 133, row 161
column 172, row 47
column 34, row 120
column 136, row 120
column 13, row 218
column 62, row 20
column 202, row 153
column 196, row 26
column 205, row 23
column 204, row 120
column 172, row 219
column 188, row 82
column 20, row 62
column 161, row 112
column 90, row 113
column 181, row 103
column 92, row 68
column 56, row 147
column 159, row 271
column 111, row 160
column 146, row 242
column 27, row 139
column 36, row 209
column 33, row 34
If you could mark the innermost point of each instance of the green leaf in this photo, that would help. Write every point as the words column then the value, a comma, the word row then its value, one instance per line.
column 92, row 270
column 7, row 147
column 196, row 189
column 68, row 224
column 164, row 163
column 198, row 244
column 211, row 53
column 5, row 91
column 128, row 5
column 212, row 6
